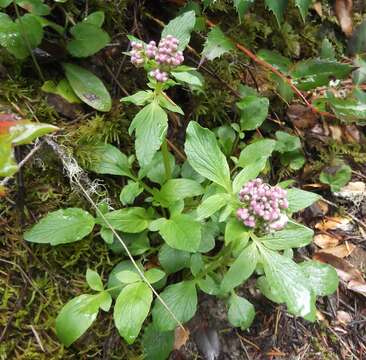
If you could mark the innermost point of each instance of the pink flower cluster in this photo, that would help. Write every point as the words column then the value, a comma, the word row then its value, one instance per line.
column 262, row 206
column 166, row 55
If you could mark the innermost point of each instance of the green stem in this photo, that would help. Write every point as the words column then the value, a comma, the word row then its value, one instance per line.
column 26, row 40
column 165, row 153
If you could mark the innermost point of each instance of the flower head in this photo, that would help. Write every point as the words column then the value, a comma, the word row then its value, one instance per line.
column 262, row 206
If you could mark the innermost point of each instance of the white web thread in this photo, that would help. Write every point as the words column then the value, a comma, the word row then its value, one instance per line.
column 75, row 173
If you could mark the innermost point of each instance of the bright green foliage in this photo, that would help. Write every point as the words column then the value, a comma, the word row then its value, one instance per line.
column 241, row 312
column 253, row 111
column 157, row 344
column 217, row 44
column 129, row 220
column 61, row 227
column 88, row 87
column 300, row 199
column 278, row 8
column 62, row 89
column 36, row 7
column 336, row 176
column 181, row 299
column 94, row 280
column 173, row 260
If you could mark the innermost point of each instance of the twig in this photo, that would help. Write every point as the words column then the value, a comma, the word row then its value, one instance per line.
column 26, row 158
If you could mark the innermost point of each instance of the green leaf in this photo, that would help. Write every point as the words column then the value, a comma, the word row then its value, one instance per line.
column 241, row 312
column 268, row 291
column 299, row 199
column 327, row 50
column 76, row 317
column 293, row 236
column 5, row 3
column 235, row 231
column 359, row 75
column 286, row 142
column 94, row 280
column 96, row 18
column 62, row 89
column 12, row 34
column 130, row 192
column 209, row 286
column 336, row 176
column 212, row 204
column 303, row 6
column 310, row 74
column 188, row 77
column 178, row 189
column 181, row 298
column 181, row 232
column 130, row 220
column 256, row 153
column 89, row 88
column 107, row 159
column 25, row 132
column 181, row 28
column 349, row 109
column 173, row 260
column 274, row 58
column 323, row 278
column 36, row 7
column 287, row 279
column 241, row 269
column 8, row 165
column 357, row 43
column 150, row 124
column 61, row 227
column 253, row 111
column 242, row 6
column 205, row 156
column 157, row 344
column 217, row 44
column 248, row 173
column 154, row 275
column 131, row 309
column 294, row 159
column 140, row 98
column 113, row 281
column 128, row 277
column 278, row 7
column 88, row 40
column 167, row 103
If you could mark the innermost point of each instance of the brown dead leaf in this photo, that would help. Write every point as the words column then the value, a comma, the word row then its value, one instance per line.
column 340, row 251
column 333, row 223
column 343, row 10
column 336, row 132
column 318, row 8
column 343, row 317
column 301, row 116
column 345, row 270
column 181, row 336
column 357, row 286
column 325, row 241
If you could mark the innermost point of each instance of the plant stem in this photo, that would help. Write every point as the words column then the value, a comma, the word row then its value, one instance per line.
column 26, row 40
column 165, row 152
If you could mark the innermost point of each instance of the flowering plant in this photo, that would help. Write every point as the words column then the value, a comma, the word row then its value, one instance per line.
column 214, row 222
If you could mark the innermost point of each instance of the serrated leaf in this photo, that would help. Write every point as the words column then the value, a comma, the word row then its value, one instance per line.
column 323, row 278
column 205, row 156
column 181, row 28
column 150, row 125
column 217, row 44
column 287, row 278
column 349, row 110
column 181, row 298
column 278, row 7
column 241, row 312
column 299, row 199
column 131, row 309
column 181, row 232
column 293, row 236
column 61, row 227
column 89, row 88
column 242, row 6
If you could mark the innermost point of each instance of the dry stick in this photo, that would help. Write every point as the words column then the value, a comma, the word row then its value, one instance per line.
column 287, row 79
column 74, row 178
